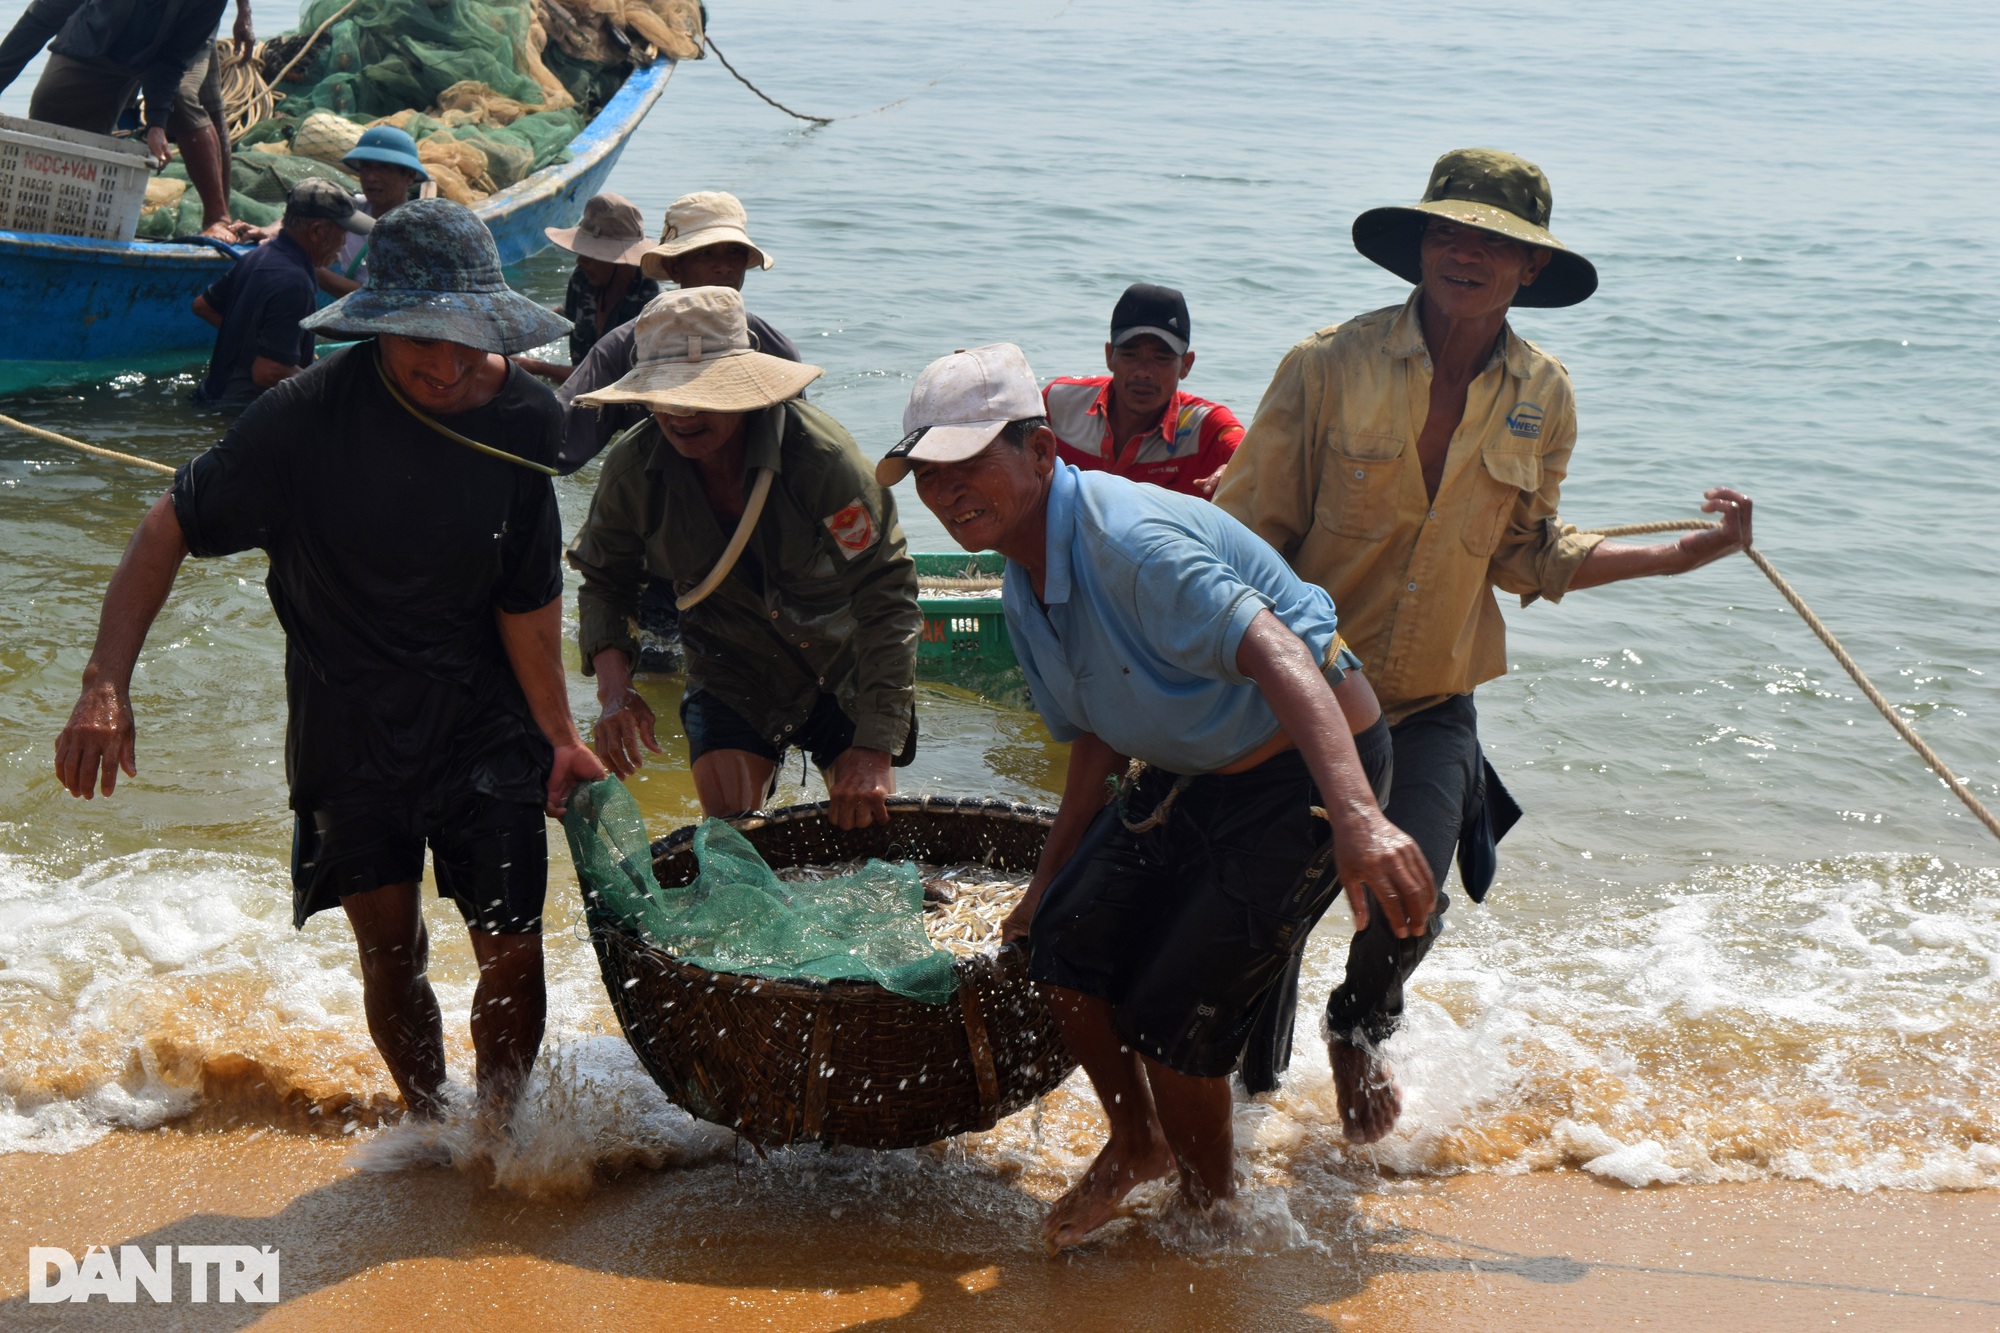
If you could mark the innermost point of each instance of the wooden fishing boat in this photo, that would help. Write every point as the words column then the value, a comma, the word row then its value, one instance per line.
column 79, row 308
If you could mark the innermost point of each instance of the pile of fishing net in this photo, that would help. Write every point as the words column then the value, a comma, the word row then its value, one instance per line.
column 491, row 90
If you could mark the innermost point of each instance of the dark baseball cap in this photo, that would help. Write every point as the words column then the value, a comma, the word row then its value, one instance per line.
column 314, row 197
column 1147, row 309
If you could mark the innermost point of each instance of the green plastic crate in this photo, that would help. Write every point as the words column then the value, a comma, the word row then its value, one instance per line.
column 964, row 641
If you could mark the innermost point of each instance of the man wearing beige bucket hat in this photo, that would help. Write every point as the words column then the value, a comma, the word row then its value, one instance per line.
column 606, row 289
column 1410, row 462
column 705, row 243
column 796, row 593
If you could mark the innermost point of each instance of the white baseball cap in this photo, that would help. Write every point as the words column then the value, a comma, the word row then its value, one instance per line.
column 959, row 405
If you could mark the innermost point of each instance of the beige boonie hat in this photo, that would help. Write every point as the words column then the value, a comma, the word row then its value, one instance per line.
column 694, row 355
column 613, row 229
column 1495, row 192
column 695, row 221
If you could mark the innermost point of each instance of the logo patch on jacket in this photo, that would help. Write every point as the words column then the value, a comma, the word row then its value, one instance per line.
column 1525, row 421
column 853, row 529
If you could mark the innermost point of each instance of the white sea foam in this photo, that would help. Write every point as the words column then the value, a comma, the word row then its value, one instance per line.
column 1826, row 1021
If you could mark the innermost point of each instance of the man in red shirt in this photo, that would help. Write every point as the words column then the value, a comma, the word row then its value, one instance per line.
column 1136, row 422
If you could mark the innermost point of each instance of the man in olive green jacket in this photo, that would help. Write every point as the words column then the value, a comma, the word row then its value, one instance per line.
column 798, row 596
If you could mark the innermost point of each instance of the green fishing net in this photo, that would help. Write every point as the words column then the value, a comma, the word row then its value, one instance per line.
column 737, row 916
column 383, row 56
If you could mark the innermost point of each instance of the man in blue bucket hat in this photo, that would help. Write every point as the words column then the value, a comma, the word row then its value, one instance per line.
column 401, row 490
column 385, row 161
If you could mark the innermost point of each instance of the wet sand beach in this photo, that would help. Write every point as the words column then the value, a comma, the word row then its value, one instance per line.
column 716, row 1246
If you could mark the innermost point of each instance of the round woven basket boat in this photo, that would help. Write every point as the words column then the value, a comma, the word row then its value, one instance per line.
column 783, row 1061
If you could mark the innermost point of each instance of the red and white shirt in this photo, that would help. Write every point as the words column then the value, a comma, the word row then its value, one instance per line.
column 1192, row 438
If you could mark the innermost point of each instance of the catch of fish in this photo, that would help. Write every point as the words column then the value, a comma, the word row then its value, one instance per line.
column 964, row 904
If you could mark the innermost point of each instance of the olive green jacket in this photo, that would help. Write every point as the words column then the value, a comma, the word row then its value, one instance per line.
column 824, row 597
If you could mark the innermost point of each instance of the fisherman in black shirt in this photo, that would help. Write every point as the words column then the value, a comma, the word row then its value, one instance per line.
column 419, row 584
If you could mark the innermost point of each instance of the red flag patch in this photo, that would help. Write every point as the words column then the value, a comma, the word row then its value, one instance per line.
column 853, row 529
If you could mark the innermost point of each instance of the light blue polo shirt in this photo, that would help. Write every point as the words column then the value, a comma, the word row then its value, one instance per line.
column 1148, row 594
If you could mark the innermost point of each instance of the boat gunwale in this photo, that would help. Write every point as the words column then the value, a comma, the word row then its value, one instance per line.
column 603, row 135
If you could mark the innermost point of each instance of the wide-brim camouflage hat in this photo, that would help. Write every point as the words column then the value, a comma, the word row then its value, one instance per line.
column 1494, row 192
column 434, row 272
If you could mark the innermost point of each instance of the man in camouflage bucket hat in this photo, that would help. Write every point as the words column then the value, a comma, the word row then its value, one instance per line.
column 401, row 490
column 1410, row 462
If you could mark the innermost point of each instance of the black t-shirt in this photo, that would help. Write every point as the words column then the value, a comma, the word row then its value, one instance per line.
column 261, row 300
column 391, row 547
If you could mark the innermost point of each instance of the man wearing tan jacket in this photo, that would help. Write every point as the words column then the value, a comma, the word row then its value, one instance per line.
column 1410, row 462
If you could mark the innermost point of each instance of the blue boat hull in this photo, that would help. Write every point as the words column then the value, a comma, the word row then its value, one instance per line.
column 79, row 309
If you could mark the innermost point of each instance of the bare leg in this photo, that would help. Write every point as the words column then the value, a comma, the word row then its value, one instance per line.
column 507, row 1015
column 203, row 154
column 396, row 993
column 1194, row 1114
column 729, row 782
column 1137, row 1150
column 1366, row 1089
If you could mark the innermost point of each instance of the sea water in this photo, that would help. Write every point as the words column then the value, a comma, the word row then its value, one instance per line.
column 1741, row 933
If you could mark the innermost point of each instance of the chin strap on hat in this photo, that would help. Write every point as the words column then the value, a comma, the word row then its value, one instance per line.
column 448, row 432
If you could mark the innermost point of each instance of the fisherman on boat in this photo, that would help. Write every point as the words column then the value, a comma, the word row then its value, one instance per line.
column 801, row 627
column 1136, row 422
column 401, row 490
column 705, row 243
column 104, row 52
column 257, row 306
column 1409, row 462
column 1151, row 626
column 384, row 159
column 385, row 162
column 606, row 290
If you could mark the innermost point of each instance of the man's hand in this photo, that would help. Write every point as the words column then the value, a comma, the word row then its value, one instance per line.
column 156, row 145
column 1205, row 486
column 1699, row 548
column 1015, row 926
column 625, row 724
column 574, row 764
column 244, row 33
column 100, row 735
column 860, row 785
column 1376, row 859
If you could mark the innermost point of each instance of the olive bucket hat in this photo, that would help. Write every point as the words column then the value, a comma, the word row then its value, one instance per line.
column 1494, row 192
column 434, row 272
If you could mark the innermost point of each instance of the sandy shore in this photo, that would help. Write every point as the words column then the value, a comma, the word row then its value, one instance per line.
column 759, row 1246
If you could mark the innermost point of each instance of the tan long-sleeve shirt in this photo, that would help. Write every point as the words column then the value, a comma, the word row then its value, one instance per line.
column 1328, row 474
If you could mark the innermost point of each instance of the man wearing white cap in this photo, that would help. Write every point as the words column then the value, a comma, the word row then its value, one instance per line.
column 797, row 596
column 1153, row 627
column 705, row 244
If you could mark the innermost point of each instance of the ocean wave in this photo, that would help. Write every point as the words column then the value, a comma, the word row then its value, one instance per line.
column 1823, row 1021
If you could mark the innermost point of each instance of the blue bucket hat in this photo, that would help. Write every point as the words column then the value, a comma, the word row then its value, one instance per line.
column 434, row 272
column 386, row 143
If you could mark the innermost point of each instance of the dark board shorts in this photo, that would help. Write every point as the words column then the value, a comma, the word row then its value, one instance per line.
column 827, row 734
column 1186, row 927
column 490, row 857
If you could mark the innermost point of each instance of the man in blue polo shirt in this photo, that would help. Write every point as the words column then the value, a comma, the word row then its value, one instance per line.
column 256, row 306
column 1153, row 627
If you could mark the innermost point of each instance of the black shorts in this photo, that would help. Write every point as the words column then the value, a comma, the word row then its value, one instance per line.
column 828, row 732
column 1185, row 927
column 490, row 857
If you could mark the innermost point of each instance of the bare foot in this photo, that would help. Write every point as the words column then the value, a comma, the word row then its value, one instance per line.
column 1365, row 1087
column 1094, row 1200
